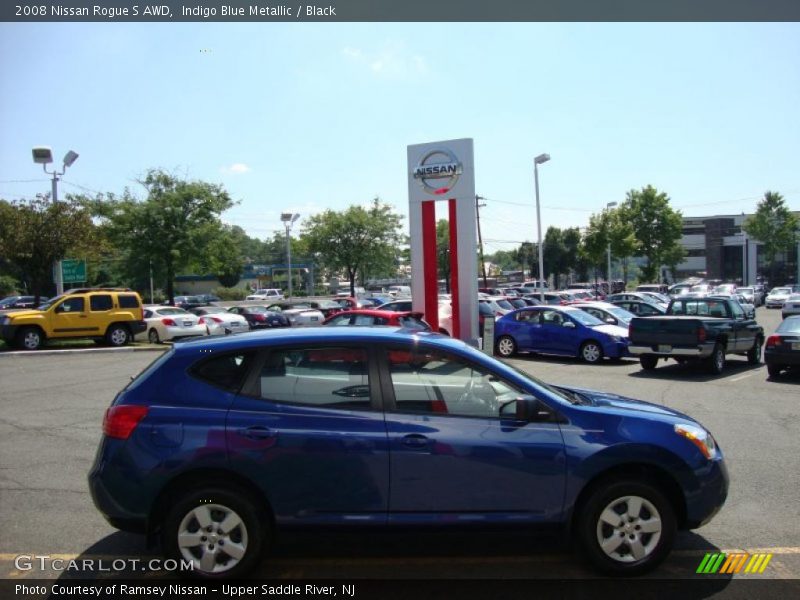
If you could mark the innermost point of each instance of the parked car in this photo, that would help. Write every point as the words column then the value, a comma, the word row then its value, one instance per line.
column 641, row 308
column 300, row 314
column 113, row 315
column 354, row 426
column 698, row 329
column 565, row 331
column 365, row 317
column 209, row 298
column 397, row 305
column 637, row 296
column 777, row 296
column 269, row 294
column 165, row 323
column 782, row 350
column 748, row 308
column 750, row 295
column 326, row 307
column 260, row 317
column 220, row 321
column 21, row 302
column 187, row 302
column 606, row 312
column 658, row 288
column 791, row 306
column 724, row 288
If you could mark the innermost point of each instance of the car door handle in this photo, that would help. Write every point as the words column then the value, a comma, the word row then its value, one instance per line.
column 415, row 440
column 257, row 433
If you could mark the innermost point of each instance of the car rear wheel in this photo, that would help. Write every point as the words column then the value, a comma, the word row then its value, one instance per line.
column 626, row 527
column 117, row 335
column 754, row 354
column 591, row 352
column 30, row 338
column 716, row 362
column 153, row 338
column 648, row 362
column 220, row 531
column 506, row 346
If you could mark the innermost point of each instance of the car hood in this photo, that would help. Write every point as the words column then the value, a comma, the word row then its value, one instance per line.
column 24, row 313
column 612, row 330
column 609, row 400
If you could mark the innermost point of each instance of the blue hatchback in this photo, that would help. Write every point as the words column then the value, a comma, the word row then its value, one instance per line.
column 560, row 330
column 221, row 441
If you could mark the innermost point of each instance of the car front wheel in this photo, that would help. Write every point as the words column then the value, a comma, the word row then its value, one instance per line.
column 219, row 531
column 30, row 338
column 626, row 527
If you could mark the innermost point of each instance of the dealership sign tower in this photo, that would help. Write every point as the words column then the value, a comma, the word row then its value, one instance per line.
column 444, row 172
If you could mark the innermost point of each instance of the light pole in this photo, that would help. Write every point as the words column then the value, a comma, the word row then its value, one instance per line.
column 43, row 155
column 608, row 273
column 541, row 159
column 288, row 220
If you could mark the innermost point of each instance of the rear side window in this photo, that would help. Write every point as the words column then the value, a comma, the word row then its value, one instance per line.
column 226, row 371
column 321, row 377
column 413, row 323
column 128, row 301
column 100, row 302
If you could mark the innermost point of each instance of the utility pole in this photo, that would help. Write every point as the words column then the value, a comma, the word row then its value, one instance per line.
column 480, row 239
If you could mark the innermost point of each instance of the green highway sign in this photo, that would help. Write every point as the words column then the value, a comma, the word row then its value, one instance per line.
column 73, row 270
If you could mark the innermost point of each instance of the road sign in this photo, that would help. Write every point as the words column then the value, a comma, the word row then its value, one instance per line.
column 73, row 270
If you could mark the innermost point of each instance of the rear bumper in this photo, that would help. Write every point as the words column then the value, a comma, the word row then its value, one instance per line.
column 699, row 351
column 137, row 327
column 782, row 358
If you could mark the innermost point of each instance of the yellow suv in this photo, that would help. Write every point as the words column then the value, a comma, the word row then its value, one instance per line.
column 110, row 314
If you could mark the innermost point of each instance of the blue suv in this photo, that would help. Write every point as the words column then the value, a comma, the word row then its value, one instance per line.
column 221, row 441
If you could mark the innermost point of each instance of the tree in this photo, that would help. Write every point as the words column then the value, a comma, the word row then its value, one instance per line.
column 554, row 254
column 574, row 258
column 168, row 229
column 443, row 250
column 34, row 234
column 775, row 226
column 623, row 240
column 657, row 227
column 354, row 240
column 596, row 240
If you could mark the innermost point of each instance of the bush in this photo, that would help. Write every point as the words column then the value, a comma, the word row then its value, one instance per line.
column 230, row 293
column 8, row 286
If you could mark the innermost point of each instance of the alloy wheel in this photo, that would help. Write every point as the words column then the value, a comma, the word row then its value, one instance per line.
column 629, row 529
column 213, row 537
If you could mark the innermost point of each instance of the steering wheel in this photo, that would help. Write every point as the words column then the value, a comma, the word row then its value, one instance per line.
column 479, row 393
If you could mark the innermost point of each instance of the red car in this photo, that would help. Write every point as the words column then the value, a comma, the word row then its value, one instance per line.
column 369, row 317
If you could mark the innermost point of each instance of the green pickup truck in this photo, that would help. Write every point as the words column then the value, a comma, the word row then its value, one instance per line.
column 697, row 329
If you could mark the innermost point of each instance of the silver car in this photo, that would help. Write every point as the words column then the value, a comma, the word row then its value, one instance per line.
column 299, row 314
column 791, row 306
column 777, row 297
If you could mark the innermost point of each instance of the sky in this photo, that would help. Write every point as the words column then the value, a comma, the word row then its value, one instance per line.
column 305, row 117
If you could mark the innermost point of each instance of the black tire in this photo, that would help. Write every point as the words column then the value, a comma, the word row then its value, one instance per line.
column 754, row 354
column 648, row 362
column 30, row 338
column 774, row 370
column 152, row 336
column 506, row 346
column 716, row 362
column 248, row 536
column 117, row 335
column 591, row 352
column 621, row 498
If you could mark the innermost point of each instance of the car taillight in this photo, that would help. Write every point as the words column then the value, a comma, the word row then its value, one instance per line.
column 120, row 421
column 215, row 319
column 168, row 322
column 259, row 318
column 701, row 334
column 773, row 340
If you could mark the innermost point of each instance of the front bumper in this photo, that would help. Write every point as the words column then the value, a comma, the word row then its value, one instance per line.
column 705, row 502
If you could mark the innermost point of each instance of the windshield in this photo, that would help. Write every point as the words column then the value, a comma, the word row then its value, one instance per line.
column 504, row 304
column 585, row 318
column 570, row 397
column 781, row 291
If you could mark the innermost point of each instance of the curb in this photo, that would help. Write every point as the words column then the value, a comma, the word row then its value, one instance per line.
column 54, row 351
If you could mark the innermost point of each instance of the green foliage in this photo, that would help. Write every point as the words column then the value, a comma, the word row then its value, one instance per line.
column 354, row 241
column 230, row 293
column 9, row 286
column 34, row 234
column 657, row 229
column 774, row 225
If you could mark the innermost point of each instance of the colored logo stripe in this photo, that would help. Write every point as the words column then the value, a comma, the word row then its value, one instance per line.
column 733, row 563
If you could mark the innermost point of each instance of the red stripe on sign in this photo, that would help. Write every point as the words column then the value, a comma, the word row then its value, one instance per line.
column 456, row 333
column 430, row 264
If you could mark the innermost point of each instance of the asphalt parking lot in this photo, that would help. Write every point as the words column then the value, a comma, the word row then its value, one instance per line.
column 53, row 406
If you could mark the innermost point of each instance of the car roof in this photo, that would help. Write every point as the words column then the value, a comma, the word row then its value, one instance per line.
column 314, row 335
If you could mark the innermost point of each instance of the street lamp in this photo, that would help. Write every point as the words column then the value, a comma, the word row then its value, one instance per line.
column 608, row 273
column 43, row 155
column 541, row 159
column 288, row 220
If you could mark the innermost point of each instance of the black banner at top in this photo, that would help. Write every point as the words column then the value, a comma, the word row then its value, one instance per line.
column 397, row 10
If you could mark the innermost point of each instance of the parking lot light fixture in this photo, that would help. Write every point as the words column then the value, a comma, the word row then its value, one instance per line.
column 288, row 220
column 541, row 159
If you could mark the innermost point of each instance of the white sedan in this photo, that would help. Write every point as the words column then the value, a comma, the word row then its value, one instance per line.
column 169, row 323
column 219, row 320
column 777, row 297
column 299, row 314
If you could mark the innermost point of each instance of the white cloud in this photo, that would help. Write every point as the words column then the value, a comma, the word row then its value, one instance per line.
column 235, row 168
column 392, row 60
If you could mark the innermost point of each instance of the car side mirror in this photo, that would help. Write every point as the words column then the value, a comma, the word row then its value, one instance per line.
column 532, row 410
column 568, row 325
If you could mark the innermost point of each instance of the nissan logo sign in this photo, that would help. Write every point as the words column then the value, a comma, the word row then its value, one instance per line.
column 435, row 166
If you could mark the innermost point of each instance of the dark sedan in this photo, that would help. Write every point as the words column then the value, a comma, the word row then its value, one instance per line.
column 782, row 350
column 21, row 302
column 258, row 317
column 187, row 302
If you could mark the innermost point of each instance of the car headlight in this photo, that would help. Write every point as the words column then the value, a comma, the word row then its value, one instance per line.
column 699, row 437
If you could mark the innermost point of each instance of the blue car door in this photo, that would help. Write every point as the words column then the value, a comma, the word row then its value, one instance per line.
column 309, row 430
column 525, row 328
column 454, row 456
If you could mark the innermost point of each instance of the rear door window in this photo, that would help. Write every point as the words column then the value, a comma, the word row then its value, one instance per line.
column 100, row 302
